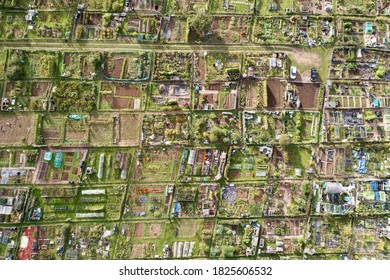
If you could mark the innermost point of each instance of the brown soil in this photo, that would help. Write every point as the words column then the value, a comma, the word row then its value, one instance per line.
column 138, row 230
column 40, row 89
column 208, row 225
column 172, row 155
column 307, row 127
column 329, row 168
column 10, row 86
column 50, row 136
column 275, row 92
column 201, row 68
column 287, row 245
column 278, row 124
column 257, row 198
column 75, row 135
column 64, row 177
column 121, row 103
column 93, row 19
column 131, row 91
column 243, row 193
column 138, row 208
column 308, row 94
column 67, row 59
column 214, row 87
column 229, row 102
column 234, row 174
column 155, row 229
column 85, row 68
column 306, row 58
column 116, row 70
column 209, row 98
column 138, row 250
column 17, row 130
column 279, row 155
column 55, row 175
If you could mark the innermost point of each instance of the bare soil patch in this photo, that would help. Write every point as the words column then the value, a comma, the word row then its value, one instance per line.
column 17, row 129
column 155, row 229
column 127, row 90
column 122, row 103
column 67, row 59
column 138, row 230
column 275, row 93
column 40, row 89
column 229, row 102
column 116, row 70
column 138, row 250
column 306, row 58
column 129, row 126
column 308, row 94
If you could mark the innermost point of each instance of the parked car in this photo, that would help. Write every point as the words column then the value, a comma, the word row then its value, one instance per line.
column 313, row 74
column 293, row 72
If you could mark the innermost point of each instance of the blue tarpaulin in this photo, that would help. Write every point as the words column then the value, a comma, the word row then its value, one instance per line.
column 374, row 186
column 177, row 208
column 362, row 166
column 376, row 103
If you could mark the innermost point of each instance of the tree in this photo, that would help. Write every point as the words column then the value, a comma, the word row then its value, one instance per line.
column 351, row 66
column 65, row 230
column 226, row 140
column 200, row 22
column 96, row 61
column 106, row 19
column 381, row 71
column 15, row 72
column 203, row 248
column 216, row 133
column 347, row 232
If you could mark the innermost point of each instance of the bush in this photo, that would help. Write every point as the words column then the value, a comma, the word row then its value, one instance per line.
column 228, row 252
column 381, row 71
column 284, row 140
column 199, row 22
column 15, row 72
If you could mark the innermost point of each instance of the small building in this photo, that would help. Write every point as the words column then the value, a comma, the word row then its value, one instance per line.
column 261, row 244
column 58, row 159
column 368, row 28
column 191, row 158
column 30, row 15
column 298, row 172
column 333, row 188
column 328, row 7
column 101, row 166
column 48, row 156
